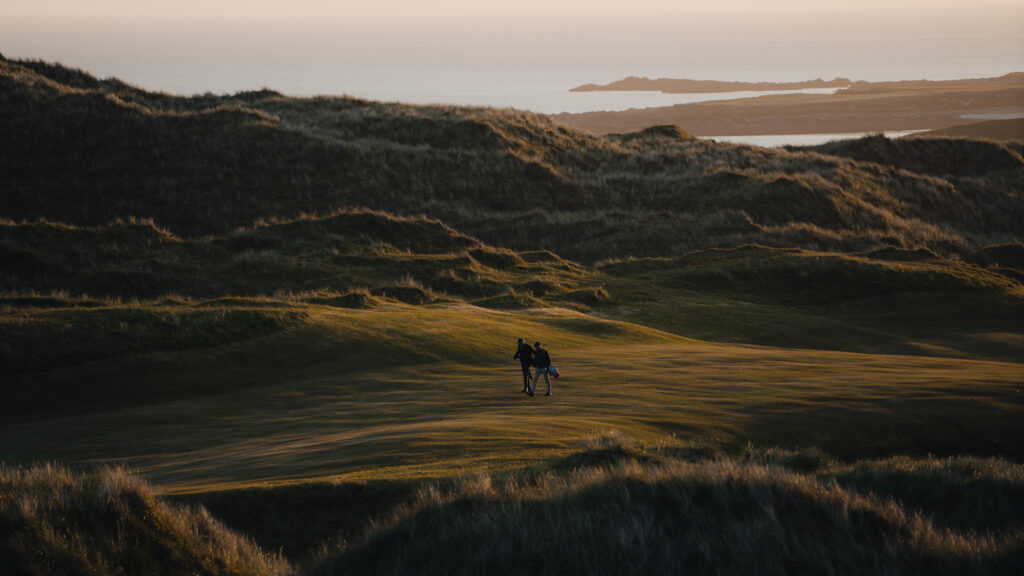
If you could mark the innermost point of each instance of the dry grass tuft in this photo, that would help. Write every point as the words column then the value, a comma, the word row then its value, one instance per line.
column 55, row 521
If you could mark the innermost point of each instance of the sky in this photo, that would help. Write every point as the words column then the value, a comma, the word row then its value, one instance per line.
column 365, row 8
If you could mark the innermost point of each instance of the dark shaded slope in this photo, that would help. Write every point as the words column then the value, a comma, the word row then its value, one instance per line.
column 645, row 512
column 199, row 166
column 92, row 151
column 410, row 259
column 932, row 156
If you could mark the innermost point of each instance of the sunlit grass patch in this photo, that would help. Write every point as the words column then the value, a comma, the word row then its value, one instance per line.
column 56, row 521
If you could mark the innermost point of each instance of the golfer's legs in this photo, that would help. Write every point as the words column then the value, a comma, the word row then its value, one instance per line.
column 536, row 379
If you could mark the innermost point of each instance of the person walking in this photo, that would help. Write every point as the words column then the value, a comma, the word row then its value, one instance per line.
column 525, row 355
column 541, row 365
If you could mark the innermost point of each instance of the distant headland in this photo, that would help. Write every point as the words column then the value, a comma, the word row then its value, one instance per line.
column 856, row 106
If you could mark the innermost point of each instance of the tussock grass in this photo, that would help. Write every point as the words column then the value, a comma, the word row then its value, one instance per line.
column 414, row 260
column 88, row 151
column 56, row 521
column 630, row 510
column 616, row 505
column 803, row 276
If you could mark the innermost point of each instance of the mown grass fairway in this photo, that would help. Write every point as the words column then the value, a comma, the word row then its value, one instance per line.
column 330, row 398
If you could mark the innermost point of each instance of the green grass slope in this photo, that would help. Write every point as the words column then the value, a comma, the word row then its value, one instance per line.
column 405, row 392
column 882, row 301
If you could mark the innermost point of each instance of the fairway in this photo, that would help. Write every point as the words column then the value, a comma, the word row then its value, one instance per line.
column 323, row 419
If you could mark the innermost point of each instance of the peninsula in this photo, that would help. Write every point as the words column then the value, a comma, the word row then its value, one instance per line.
column 860, row 107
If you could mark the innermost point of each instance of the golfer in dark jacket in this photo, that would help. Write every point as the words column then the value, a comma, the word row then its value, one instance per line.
column 541, row 363
column 525, row 355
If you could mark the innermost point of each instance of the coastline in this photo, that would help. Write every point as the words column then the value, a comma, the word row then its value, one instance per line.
column 865, row 107
column 686, row 86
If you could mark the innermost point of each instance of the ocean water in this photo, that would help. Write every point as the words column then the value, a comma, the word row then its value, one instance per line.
column 528, row 64
column 775, row 140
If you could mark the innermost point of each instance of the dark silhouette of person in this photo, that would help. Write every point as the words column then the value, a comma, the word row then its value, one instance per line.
column 525, row 355
column 541, row 364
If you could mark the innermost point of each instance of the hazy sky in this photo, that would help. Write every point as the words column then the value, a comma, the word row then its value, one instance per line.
column 353, row 8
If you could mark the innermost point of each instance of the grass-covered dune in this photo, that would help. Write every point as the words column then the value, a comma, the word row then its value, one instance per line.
column 410, row 259
column 86, row 152
column 612, row 506
column 137, row 287
column 56, row 521
column 634, row 513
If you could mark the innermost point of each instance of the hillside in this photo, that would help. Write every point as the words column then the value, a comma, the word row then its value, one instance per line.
column 86, row 152
column 607, row 508
column 256, row 334
column 264, row 277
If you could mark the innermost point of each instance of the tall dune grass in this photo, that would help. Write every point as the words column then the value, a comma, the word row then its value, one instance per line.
column 54, row 521
column 86, row 151
column 643, row 513
column 617, row 506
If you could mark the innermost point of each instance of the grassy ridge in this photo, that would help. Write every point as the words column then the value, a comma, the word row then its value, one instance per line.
column 613, row 506
column 409, row 259
column 91, row 151
column 883, row 298
column 883, row 301
column 644, row 513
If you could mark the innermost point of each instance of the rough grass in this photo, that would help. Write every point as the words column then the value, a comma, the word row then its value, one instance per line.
column 54, row 521
column 641, row 513
column 86, row 152
column 615, row 505
column 64, row 281
column 413, row 260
